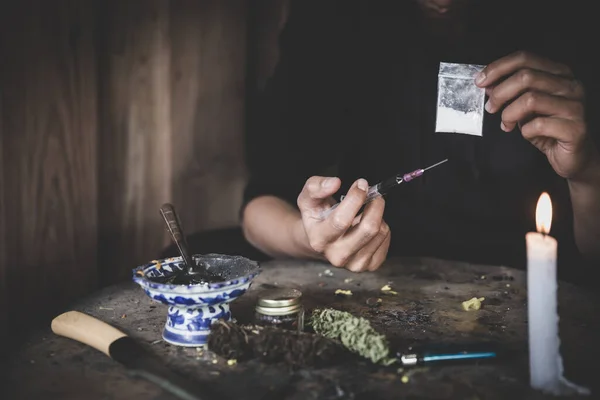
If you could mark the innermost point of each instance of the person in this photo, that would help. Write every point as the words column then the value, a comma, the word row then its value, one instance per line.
column 353, row 101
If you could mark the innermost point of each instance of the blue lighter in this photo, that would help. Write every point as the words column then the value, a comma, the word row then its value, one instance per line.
column 425, row 358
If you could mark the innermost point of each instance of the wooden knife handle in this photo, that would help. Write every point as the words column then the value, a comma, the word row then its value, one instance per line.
column 86, row 329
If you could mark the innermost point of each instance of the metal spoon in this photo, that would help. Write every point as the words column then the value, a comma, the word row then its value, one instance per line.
column 173, row 223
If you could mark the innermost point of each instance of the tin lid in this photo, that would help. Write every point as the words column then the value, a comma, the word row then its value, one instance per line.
column 279, row 311
column 276, row 298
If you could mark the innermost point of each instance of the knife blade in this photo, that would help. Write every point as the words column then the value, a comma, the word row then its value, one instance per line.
column 117, row 345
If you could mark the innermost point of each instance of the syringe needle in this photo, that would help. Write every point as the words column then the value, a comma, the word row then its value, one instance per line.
column 435, row 165
column 381, row 188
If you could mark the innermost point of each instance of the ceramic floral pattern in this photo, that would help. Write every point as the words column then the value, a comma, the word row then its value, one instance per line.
column 193, row 308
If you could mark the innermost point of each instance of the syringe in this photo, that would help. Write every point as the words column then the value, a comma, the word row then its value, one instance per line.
column 384, row 186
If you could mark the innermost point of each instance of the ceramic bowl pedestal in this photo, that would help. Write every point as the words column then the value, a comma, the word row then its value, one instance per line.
column 192, row 309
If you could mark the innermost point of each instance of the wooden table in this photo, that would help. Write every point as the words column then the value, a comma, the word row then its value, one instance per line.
column 427, row 309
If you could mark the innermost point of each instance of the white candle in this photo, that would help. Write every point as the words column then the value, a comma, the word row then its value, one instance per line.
column 545, row 362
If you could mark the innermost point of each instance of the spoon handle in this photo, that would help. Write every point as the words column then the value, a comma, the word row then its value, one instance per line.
column 174, row 227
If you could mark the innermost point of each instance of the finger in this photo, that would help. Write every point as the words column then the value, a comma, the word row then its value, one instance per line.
column 365, row 257
column 560, row 129
column 316, row 192
column 381, row 253
column 511, row 63
column 533, row 104
column 368, row 227
column 356, row 219
column 357, row 236
column 341, row 219
column 325, row 232
column 529, row 79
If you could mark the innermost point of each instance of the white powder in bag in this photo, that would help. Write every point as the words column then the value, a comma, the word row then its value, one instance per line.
column 460, row 101
column 453, row 121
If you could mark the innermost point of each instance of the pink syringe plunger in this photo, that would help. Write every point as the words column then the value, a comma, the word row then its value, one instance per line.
column 412, row 175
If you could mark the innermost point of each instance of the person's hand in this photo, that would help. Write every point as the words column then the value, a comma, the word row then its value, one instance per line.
column 345, row 239
column 546, row 102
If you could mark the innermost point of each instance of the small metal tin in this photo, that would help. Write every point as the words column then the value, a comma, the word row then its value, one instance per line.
column 280, row 308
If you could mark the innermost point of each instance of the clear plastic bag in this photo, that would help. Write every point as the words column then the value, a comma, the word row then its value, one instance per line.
column 460, row 101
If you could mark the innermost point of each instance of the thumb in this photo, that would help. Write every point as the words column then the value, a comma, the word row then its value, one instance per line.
column 316, row 191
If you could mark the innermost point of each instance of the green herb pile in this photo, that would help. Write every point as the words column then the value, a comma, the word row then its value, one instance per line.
column 355, row 333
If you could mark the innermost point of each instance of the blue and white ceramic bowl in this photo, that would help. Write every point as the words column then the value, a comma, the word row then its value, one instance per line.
column 193, row 308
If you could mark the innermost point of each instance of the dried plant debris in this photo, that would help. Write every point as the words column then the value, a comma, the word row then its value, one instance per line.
column 472, row 304
column 373, row 301
column 405, row 375
column 355, row 333
column 342, row 292
column 413, row 319
column 388, row 290
column 273, row 345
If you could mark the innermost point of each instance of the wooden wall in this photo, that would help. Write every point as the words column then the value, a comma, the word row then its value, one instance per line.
column 4, row 308
column 108, row 108
column 172, row 118
column 49, row 156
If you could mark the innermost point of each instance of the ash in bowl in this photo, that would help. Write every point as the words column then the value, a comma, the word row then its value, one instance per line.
column 212, row 270
column 200, row 274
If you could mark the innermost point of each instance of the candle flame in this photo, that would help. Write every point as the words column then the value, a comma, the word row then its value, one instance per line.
column 543, row 214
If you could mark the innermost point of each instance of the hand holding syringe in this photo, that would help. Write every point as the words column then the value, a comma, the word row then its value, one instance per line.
column 382, row 187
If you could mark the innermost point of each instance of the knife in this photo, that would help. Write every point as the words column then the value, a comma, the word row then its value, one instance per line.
column 123, row 349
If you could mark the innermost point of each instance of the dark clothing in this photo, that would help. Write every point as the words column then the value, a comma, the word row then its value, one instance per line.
column 356, row 86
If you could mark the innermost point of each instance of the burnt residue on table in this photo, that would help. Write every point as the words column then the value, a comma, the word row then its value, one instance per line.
column 426, row 310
